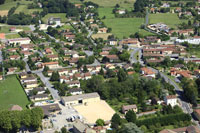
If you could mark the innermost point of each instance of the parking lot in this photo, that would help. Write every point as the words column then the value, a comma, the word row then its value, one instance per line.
column 60, row 120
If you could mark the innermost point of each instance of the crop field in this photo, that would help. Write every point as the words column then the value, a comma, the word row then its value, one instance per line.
column 11, row 93
column 11, row 36
column 170, row 19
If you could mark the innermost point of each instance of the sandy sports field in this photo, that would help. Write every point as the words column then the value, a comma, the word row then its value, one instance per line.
column 3, row 13
column 95, row 110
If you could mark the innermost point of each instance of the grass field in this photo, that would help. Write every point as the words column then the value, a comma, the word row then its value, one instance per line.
column 59, row 15
column 12, row 36
column 23, row 8
column 10, row 3
column 5, row 29
column 112, row 3
column 12, row 93
column 122, row 27
column 171, row 19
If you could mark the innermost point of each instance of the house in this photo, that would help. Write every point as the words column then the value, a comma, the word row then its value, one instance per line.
column 102, row 30
column 87, row 76
column 29, row 79
column 79, row 127
column 147, row 72
column 80, row 99
column 12, row 49
column 113, row 58
column 39, row 97
column 26, row 47
column 51, row 65
column 70, row 37
column 121, row 11
column 2, row 36
column 189, row 129
column 126, row 108
column 14, row 57
column 131, row 42
column 112, row 42
column 105, row 53
column 30, row 85
column 48, row 51
column 23, row 75
column 50, row 109
column 75, row 91
column 73, row 61
column 74, row 83
column 40, row 90
column 171, row 100
column 11, row 70
column 52, row 57
column 54, row 21
column 19, row 41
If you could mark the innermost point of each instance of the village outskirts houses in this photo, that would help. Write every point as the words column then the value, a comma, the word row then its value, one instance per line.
column 19, row 41
column 171, row 100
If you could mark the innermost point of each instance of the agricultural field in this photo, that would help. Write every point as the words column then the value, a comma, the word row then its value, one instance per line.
column 59, row 15
column 5, row 28
column 172, row 19
column 12, row 93
column 122, row 27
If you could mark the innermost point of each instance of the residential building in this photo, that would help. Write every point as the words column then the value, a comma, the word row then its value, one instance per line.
column 171, row 100
column 75, row 91
column 51, row 65
column 54, row 21
column 19, row 41
column 79, row 127
column 113, row 58
column 39, row 97
column 126, row 108
column 147, row 72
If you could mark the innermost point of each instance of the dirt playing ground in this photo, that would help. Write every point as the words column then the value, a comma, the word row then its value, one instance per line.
column 95, row 110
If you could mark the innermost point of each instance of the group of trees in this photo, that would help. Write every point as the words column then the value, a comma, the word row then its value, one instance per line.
column 85, row 61
column 2, row 2
column 60, row 6
column 20, row 19
column 122, row 87
column 15, row 63
column 11, row 121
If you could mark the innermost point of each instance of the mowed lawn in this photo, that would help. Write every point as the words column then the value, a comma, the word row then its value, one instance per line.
column 6, row 28
column 24, row 9
column 122, row 27
column 170, row 19
column 11, row 93
column 112, row 3
column 10, row 3
column 58, row 15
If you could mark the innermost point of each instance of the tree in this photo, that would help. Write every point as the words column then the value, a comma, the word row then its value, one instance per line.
column 101, row 72
column 117, row 6
column 63, row 130
column 100, row 122
column 55, row 76
column 85, row 69
column 115, row 121
column 130, row 116
column 121, row 75
column 130, row 128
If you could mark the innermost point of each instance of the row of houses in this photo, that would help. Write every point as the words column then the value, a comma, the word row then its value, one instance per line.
column 32, row 87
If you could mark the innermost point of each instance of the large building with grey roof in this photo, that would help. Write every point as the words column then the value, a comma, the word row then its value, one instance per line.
column 80, row 99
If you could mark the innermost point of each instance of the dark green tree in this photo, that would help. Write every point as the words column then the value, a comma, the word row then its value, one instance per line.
column 130, row 116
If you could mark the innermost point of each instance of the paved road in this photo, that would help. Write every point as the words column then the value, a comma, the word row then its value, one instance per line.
column 46, row 82
column 1, row 57
column 132, row 56
column 26, row 67
column 184, row 105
